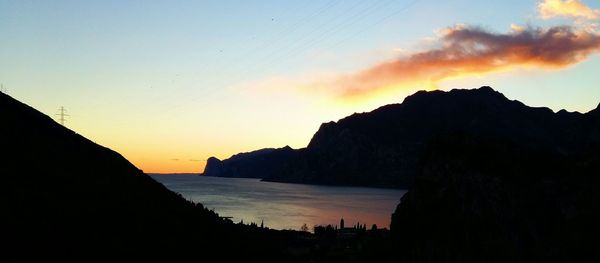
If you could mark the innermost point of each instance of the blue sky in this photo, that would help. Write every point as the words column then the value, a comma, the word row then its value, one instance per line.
column 165, row 80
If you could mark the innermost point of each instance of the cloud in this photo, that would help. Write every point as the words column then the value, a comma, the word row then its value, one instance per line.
column 566, row 8
column 465, row 50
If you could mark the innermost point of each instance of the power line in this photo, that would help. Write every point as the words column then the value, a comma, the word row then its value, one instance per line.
column 316, row 36
column 287, row 52
column 237, row 61
column 338, row 28
column 272, row 56
column 329, row 32
column 282, row 35
column 62, row 114
column 383, row 19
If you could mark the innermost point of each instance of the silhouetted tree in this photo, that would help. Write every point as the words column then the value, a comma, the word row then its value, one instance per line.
column 304, row 228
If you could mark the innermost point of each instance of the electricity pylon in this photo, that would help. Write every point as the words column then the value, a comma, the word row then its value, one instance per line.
column 62, row 115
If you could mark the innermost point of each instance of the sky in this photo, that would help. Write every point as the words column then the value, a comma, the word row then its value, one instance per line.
column 170, row 83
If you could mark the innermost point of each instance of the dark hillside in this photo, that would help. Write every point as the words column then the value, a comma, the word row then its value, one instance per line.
column 65, row 197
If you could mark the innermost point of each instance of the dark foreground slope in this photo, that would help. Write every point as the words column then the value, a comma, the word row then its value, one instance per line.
column 480, row 199
column 66, row 197
column 383, row 147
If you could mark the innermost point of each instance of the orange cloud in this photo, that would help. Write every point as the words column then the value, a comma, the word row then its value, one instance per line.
column 465, row 51
column 567, row 8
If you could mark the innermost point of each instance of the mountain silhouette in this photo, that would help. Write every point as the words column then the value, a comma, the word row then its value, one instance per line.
column 66, row 198
column 481, row 199
column 257, row 164
column 383, row 147
column 491, row 180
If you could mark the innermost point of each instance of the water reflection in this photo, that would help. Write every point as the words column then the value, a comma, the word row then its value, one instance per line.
column 286, row 206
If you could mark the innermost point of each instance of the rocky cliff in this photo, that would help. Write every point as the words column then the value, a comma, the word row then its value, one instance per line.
column 383, row 147
column 262, row 163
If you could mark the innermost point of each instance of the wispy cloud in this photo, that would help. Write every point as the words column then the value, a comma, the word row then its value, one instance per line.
column 466, row 50
column 566, row 8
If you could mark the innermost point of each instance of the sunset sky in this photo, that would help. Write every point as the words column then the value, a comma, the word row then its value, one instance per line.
column 170, row 83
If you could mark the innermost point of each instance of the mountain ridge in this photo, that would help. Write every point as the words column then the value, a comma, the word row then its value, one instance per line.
column 382, row 147
column 67, row 198
column 253, row 164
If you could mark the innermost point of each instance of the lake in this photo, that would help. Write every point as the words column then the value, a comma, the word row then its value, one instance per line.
column 286, row 206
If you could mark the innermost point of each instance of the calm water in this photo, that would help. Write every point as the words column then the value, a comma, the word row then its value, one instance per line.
column 286, row 206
